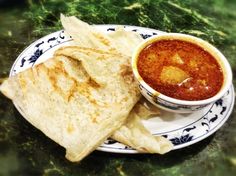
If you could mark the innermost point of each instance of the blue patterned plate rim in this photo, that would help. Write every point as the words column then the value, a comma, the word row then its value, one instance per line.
column 213, row 117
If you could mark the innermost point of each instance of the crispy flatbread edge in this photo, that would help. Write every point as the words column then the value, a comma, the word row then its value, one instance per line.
column 74, row 157
column 134, row 134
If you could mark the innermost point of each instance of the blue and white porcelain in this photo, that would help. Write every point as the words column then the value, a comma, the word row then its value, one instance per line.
column 181, row 129
column 172, row 104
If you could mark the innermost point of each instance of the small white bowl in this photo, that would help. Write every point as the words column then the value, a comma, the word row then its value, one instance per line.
column 172, row 104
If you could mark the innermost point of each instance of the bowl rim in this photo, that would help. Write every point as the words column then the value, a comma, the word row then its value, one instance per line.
column 223, row 62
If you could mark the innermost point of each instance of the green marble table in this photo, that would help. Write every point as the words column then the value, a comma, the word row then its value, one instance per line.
column 26, row 151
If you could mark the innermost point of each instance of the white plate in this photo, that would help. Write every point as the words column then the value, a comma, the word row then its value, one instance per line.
column 182, row 129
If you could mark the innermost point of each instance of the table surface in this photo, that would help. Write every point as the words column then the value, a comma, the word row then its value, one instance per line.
column 26, row 151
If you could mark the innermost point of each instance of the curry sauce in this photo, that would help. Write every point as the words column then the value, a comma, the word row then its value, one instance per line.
column 180, row 70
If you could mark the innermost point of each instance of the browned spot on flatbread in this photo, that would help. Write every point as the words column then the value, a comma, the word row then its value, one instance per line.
column 22, row 82
column 72, row 90
column 31, row 76
column 53, row 73
column 102, row 39
column 112, row 50
column 126, row 73
column 70, row 128
column 93, row 83
column 84, row 90
column 94, row 119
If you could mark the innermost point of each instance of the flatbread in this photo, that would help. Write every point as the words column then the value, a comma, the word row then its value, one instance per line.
column 145, row 110
column 86, row 35
column 74, row 106
column 132, row 133
column 119, row 42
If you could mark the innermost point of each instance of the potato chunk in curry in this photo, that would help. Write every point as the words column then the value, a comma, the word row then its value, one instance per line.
column 173, row 75
column 176, row 59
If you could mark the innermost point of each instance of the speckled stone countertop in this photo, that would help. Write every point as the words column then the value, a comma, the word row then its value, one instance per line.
column 26, row 151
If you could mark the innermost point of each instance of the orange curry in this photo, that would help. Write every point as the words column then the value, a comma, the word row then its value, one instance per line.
column 180, row 70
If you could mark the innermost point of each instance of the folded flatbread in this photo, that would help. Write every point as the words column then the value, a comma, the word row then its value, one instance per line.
column 132, row 133
column 124, row 42
column 86, row 35
column 72, row 103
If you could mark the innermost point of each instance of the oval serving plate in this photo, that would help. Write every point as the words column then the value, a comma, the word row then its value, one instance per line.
column 181, row 129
